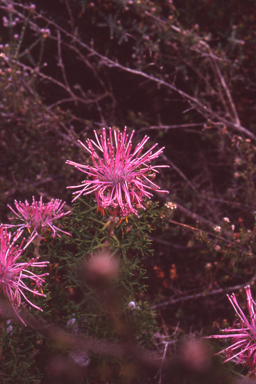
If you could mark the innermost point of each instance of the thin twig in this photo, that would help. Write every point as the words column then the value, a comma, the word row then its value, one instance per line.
column 194, row 215
column 203, row 294
column 105, row 61
column 208, row 233
column 161, row 127
column 178, row 170
column 177, row 246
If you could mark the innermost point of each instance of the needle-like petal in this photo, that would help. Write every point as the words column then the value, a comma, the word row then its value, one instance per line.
column 119, row 179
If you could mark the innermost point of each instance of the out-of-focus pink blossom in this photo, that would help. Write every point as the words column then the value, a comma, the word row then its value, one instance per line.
column 242, row 334
column 39, row 216
column 120, row 179
column 12, row 273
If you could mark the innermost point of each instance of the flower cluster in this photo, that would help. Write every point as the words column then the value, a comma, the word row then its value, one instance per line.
column 36, row 217
column 242, row 334
column 39, row 216
column 12, row 273
column 120, row 179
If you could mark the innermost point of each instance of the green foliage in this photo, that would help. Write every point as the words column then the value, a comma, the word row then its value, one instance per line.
column 84, row 306
column 20, row 351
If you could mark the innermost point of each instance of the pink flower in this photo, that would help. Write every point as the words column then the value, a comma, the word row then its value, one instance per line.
column 242, row 334
column 120, row 179
column 38, row 216
column 13, row 273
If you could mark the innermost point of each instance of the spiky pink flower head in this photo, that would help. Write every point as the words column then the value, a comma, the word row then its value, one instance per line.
column 39, row 216
column 12, row 273
column 242, row 334
column 119, row 178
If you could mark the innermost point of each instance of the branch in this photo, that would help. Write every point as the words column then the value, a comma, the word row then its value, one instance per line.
column 161, row 127
column 203, row 294
column 105, row 61
column 194, row 216
column 209, row 233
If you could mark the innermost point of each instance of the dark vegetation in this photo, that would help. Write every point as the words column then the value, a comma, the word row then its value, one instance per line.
column 182, row 72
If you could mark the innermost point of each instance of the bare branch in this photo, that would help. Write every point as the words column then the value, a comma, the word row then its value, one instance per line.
column 203, row 294
column 203, row 109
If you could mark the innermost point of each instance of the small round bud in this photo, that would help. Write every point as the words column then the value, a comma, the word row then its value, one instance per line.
column 217, row 228
column 102, row 269
column 45, row 32
column 132, row 305
column 5, row 21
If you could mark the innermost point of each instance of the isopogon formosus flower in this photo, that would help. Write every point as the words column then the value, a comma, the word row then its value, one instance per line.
column 120, row 179
column 12, row 273
column 242, row 334
column 39, row 216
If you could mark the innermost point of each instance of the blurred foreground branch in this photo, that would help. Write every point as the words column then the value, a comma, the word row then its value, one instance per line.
column 180, row 367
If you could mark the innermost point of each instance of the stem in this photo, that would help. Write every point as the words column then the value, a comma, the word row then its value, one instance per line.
column 37, row 242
